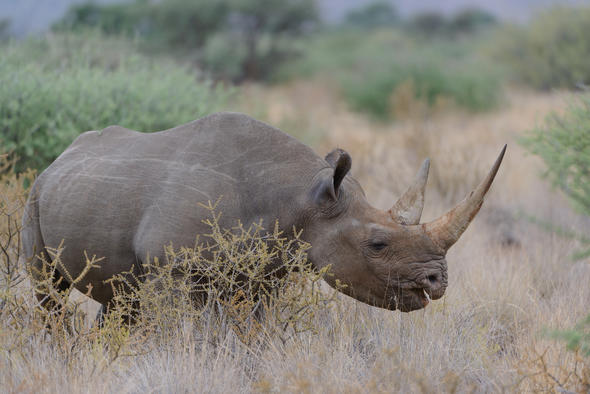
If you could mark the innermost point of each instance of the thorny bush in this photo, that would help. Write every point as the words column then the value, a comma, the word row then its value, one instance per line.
column 259, row 284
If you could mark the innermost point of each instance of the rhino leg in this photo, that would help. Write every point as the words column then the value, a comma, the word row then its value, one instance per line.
column 42, row 293
column 37, row 260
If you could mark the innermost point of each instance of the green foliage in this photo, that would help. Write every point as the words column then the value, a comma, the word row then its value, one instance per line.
column 552, row 52
column 432, row 24
column 110, row 19
column 370, row 67
column 373, row 15
column 577, row 338
column 171, row 25
column 252, row 36
column 180, row 24
column 4, row 29
column 223, row 56
column 466, row 86
column 563, row 142
column 53, row 89
column 429, row 23
column 266, row 28
column 470, row 20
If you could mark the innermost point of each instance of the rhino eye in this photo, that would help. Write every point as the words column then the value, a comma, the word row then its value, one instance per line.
column 378, row 245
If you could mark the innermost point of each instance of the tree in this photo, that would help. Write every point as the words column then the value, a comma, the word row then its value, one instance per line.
column 252, row 36
column 374, row 15
column 429, row 23
column 4, row 29
column 470, row 20
column 266, row 27
column 552, row 51
column 111, row 19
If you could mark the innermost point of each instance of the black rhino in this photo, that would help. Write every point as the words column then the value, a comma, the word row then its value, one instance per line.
column 123, row 194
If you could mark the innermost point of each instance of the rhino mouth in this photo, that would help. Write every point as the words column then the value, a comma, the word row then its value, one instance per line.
column 413, row 298
column 409, row 300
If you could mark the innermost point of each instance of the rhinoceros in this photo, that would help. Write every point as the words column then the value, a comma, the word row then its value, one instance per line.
column 124, row 194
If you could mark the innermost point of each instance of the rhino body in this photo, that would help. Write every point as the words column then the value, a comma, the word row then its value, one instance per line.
column 123, row 195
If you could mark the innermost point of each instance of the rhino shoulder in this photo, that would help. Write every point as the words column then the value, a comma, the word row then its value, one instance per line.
column 232, row 123
column 108, row 133
column 228, row 117
column 107, row 138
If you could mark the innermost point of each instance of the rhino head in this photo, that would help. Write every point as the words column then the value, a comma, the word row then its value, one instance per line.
column 384, row 258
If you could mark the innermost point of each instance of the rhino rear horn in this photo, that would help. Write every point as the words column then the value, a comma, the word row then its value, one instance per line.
column 408, row 209
column 447, row 229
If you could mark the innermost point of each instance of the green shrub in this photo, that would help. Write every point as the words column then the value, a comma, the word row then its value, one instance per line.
column 552, row 52
column 428, row 23
column 467, row 87
column 577, row 338
column 44, row 107
column 203, row 31
column 4, row 29
column 563, row 143
column 122, row 18
column 470, row 20
column 373, row 15
column 223, row 56
column 183, row 25
column 370, row 67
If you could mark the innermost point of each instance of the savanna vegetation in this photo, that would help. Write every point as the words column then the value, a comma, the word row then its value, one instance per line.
column 54, row 88
column 232, row 39
column 549, row 53
column 391, row 91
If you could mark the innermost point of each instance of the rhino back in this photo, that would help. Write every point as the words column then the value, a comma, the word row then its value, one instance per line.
column 123, row 194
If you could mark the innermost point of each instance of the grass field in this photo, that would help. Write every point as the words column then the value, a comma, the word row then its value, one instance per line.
column 509, row 280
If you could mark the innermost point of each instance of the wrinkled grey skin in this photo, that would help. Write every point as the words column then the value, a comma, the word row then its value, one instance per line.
column 122, row 194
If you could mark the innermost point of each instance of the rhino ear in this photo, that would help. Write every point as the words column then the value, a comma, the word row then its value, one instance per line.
column 328, row 187
column 333, row 156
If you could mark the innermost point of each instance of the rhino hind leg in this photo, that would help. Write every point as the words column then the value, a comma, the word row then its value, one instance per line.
column 37, row 260
column 39, row 275
column 43, row 294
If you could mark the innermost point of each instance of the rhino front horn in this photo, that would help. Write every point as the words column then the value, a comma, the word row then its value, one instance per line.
column 408, row 209
column 447, row 229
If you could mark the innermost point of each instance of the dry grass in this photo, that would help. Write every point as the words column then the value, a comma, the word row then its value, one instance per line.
column 508, row 279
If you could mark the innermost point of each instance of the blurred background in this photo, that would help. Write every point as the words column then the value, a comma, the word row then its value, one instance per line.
column 33, row 16
column 151, row 65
